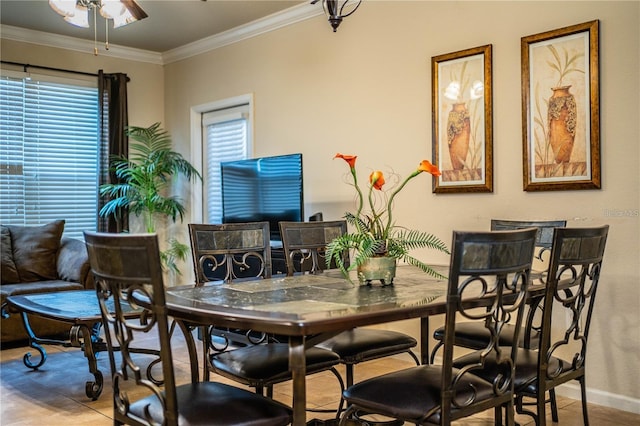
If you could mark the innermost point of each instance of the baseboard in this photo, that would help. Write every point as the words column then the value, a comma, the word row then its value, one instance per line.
column 594, row 396
column 598, row 397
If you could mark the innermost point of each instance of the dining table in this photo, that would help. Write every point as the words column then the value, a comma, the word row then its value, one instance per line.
column 310, row 308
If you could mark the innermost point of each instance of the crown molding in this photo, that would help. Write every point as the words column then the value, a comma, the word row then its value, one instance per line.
column 269, row 23
column 77, row 44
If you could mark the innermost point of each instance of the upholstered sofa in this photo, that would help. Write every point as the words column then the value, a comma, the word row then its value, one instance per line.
column 36, row 259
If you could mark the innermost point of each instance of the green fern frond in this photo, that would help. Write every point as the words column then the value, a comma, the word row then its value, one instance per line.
column 412, row 239
column 423, row 266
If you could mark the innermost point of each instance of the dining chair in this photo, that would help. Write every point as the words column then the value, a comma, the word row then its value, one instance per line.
column 230, row 252
column 304, row 246
column 127, row 269
column 544, row 237
column 236, row 252
column 572, row 282
column 474, row 336
column 488, row 270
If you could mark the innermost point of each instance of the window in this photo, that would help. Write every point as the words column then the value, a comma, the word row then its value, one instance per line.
column 225, row 138
column 49, row 151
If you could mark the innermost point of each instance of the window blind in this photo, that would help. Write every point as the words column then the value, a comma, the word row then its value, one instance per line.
column 226, row 139
column 49, row 146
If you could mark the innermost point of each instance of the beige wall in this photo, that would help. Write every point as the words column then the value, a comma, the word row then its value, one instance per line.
column 366, row 90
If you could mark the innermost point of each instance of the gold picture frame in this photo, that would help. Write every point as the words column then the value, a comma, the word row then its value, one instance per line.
column 462, row 124
column 561, row 109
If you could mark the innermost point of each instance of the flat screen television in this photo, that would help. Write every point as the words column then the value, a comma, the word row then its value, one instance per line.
column 263, row 189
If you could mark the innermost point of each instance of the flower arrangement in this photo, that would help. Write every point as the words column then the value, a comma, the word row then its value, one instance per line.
column 375, row 231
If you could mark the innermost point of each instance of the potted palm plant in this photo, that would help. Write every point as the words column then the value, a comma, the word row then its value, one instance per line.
column 144, row 180
column 378, row 242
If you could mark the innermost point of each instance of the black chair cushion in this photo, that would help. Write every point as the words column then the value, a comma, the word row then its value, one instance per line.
column 208, row 403
column 526, row 367
column 260, row 365
column 361, row 344
column 474, row 335
column 409, row 394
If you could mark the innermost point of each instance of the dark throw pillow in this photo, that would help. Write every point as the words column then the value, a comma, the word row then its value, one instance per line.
column 9, row 273
column 35, row 250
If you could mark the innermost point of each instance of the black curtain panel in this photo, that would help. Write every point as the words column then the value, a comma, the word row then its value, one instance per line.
column 114, row 141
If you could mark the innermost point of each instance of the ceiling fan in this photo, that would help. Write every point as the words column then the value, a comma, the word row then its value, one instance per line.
column 76, row 12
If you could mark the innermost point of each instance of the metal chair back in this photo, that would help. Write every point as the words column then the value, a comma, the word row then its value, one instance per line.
column 488, row 282
column 572, row 283
column 487, row 269
column 304, row 244
column 128, row 273
column 124, row 265
column 544, row 236
column 230, row 251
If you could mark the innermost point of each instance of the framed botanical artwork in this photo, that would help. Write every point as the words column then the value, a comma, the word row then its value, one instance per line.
column 462, row 124
column 561, row 109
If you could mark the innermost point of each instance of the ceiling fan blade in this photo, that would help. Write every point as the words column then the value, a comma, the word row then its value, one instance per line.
column 134, row 9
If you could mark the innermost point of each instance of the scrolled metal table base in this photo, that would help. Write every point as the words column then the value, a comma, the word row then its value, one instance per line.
column 85, row 328
column 80, row 336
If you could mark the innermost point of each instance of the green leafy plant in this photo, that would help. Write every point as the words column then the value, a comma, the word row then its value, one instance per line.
column 375, row 231
column 144, row 180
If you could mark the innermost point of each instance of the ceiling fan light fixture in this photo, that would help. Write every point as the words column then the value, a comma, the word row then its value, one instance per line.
column 80, row 17
column 112, row 8
column 116, row 10
column 136, row 11
column 63, row 7
column 125, row 19
column 76, row 12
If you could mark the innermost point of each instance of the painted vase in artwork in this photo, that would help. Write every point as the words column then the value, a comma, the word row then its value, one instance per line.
column 562, row 123
column 458, row 132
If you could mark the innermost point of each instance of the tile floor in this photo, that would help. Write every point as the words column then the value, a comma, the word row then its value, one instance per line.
column 55, row 394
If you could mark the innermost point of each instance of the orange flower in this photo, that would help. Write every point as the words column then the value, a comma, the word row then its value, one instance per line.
column 350, row 159
column 426, row 166
column 377, row 180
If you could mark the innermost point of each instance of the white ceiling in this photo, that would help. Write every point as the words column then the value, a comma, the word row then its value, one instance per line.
column 171, row 23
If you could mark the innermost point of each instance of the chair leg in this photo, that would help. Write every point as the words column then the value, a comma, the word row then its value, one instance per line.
column 519, row 405
column 342, row 388
column 583, row 391
column 497, row 416
column 510, row 413
column 349, row 371
column 347, row 415
column 433, row 352
column 414, row 356
column 554, row 405
column 205, row 353
column 541, row 406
